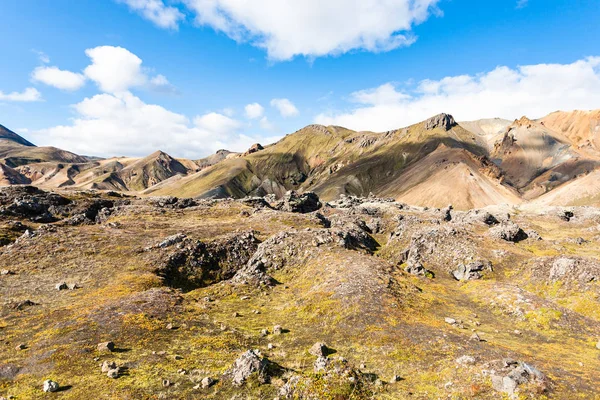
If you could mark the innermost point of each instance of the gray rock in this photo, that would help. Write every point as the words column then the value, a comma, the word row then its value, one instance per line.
column 300, row 203
column 504, row 384
column 50, row 386
column 471, row 270
column 508, row 231
column 61, row 286
column 108, row 365
column 277, row 330
column 465, row 360
column 450, row 321
column 114, row 373
column 207, row 382
column 106, row 347
column 321, row 364
column 247, row 364
column 319, row 349
column 443, row 121
column 171, row 240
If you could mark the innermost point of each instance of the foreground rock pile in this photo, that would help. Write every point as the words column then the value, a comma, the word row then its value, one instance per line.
column 294, row 298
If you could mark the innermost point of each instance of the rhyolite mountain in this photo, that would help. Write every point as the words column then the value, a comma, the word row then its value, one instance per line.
column 432, row 163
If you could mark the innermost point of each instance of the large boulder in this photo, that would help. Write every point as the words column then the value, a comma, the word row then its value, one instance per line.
column 247, row 364
column 508, row 231
column 300, row 203
column 472, row 270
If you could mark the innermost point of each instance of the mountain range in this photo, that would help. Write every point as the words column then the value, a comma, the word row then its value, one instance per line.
column 554, row 160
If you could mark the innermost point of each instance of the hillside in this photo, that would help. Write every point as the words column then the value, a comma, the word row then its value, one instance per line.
column 432, row 163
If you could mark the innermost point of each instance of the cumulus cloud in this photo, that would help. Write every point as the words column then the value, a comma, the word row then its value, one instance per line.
column 156, row 12
column 532, row 90
column 285, row 107
column 254, row 110
column 314, row 28
column 522, row 3
column 53, row 76
column 114, row 69
column 122, row 124
column 28, row 95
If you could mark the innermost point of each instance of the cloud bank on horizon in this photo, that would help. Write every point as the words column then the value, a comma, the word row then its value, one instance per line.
column 532, row 90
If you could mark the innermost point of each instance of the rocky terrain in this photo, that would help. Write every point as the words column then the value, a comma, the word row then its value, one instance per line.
column 108, row 295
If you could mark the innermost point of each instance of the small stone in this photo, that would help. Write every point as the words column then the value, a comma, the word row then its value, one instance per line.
column 170, row 326
column 181, row 371
column 245, row 298
column 72, row 286
column 598, row 345
column 166, row 382
column 318, row 349
column 475, row 337
column 113, row 373
column 106, row 346
column 108, row 365
column 61, row 286
column 50, row 386
column 362, row 366
column 450, row 321
column 178, row 357
column 256, row 312
column 396, row 378
column 321, row 364
column 207, row 382
column 21, row 346
column 277, row 330
column 270, row 346
column 6, row 272
column 236, row 314
column 264, row 332
column 465, row 360
column 517, row 332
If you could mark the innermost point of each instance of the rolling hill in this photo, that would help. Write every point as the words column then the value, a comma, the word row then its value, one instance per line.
column 432, row 163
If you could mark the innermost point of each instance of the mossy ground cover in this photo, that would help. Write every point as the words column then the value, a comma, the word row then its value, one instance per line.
column 121, row 299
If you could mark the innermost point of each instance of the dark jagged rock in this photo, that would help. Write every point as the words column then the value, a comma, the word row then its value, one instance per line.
column 508, row 231
column 444, row 121
column 196, row 264
column 300, row 203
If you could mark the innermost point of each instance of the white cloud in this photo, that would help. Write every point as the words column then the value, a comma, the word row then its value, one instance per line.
column 122, row 124
column 532, row 90
column 522, row 3
column 285, row 107
column 114, row 69
column 28, row 95
column 254, row 110
column 313, row 28
column 43, row 57
column 52, row 76
column 156, row 12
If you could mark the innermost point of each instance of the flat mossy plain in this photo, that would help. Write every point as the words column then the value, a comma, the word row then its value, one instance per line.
column 394, row 329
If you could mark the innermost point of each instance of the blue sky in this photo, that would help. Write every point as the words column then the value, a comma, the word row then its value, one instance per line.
column 139, row 75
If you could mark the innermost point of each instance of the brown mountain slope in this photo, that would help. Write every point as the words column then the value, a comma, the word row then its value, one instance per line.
column 451, row 176
column 8, row 135
column 528, row 149
column 581, row 127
